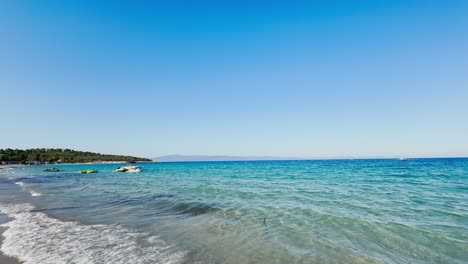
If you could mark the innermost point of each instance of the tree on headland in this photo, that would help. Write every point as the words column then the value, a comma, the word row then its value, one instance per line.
column 63, row 155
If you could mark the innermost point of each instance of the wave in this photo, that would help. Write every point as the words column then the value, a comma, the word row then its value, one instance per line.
column 19, row 183
column 34, row 194
column 34, row 237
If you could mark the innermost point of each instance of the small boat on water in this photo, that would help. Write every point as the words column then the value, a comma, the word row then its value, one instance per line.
column 128, row 169
column 52, row 170
column 86, row 171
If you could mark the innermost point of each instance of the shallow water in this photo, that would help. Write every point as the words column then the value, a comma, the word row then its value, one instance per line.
column 356, row 211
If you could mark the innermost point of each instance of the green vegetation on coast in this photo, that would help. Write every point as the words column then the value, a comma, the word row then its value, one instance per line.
column 43, row 155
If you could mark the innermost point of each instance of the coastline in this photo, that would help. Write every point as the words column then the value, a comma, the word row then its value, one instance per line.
column 77, row 163
column 4, row 259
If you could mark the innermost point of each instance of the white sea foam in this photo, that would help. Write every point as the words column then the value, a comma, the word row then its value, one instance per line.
column 33, row 193
column 19, row 183
column 34, row 237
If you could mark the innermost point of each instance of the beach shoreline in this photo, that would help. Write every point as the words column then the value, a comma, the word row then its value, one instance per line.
column 4, row 259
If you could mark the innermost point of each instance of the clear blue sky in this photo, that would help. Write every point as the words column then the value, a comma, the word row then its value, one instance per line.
column 283, row 78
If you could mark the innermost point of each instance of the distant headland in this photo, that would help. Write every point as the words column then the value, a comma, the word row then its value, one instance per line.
column 58, row 156
column 189, row 158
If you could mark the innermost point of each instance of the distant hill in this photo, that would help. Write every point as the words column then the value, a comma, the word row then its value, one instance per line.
column 181, row 158
column 50, row 155
column 177, row 158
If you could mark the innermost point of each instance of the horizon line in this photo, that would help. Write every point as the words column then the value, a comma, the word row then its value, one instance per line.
column 274, row 158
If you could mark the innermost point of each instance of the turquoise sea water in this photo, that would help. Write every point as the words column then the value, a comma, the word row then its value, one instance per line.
column 334, row 211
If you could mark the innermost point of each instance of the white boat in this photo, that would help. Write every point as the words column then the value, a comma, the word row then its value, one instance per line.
column 128, row 169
